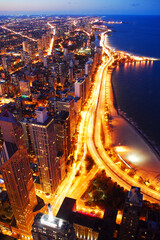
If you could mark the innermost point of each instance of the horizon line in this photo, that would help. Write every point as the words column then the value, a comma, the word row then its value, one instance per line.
column 30, row 13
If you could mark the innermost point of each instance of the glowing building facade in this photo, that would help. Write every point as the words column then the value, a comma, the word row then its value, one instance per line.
column 43, row 137
column 47, row 227
column 62, row 130
column 15, row 169
column 131, row 214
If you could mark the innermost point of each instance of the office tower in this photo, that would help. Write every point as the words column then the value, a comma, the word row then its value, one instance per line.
column 45, row 41
column 26, row 130
column 61, row 159
column 45, row 61
column 67, row 104
column 15, row 82
column 82, row 87
column 39, row 43
column 27, row 60
column 77, row 105
column 131, row 214
column 47, row 227
column 62, row 132
column 6, row 63
column 52, row 80
column 25, row 46
column 70, row 74
column 43, row 137
column 25, row 88
column 65, row 53
column 92, row 48
column 19, row 104
column 41, row 56
column 32, row 49
column 88, row 67
column 60, row 69
column 2, row 87
column 11, row 130
column 86, row 225
column 15, row 169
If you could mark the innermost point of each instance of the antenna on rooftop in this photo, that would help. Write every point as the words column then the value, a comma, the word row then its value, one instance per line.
column 50, row 215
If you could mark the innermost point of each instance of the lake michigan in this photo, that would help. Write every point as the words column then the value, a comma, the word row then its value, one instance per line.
column 137, row 86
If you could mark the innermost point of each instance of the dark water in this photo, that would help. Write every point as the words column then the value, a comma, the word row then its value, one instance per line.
column 137, row 86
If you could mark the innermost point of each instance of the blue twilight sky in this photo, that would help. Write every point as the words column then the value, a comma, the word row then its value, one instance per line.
column 151, row 7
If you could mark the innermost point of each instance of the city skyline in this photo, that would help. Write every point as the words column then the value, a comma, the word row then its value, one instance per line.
column 73, row 7
column 66, row 148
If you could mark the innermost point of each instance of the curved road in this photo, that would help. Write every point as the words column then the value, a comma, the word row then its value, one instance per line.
column 95, row 122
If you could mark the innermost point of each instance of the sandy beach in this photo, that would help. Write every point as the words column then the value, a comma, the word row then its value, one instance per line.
column 131, row 145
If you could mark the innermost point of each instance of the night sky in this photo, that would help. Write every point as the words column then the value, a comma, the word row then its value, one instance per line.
column 127, row 7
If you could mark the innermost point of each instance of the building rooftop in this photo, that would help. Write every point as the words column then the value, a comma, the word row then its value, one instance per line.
column 6, row 116
column 134, row 196
column 80, row 80
column 10, row 147
column 54, row 223
column 67, row 99
column 62, row 116
column 87, row 221
column 65, row 211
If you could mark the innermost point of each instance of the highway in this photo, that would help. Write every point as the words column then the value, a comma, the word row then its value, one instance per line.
column 90, row 130
column 18, row 33
column 95, row 127
column 53, row 28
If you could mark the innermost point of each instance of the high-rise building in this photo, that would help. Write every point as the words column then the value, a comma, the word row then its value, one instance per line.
column 2, row 87
column 25, row 46
column 67, row 104
column 11, row 130
column 70, row 74
column 15, row 82
column 65, row 52
column 82, row 87
column 15, row 169
column 131, row 214
column 25, row 88
column 40, row 52
column 45, row 61
column 43, row 137
column 62, row 131
column 87, row 225
column 39, row 43
column 6, row 63
column 47, row 227
column 26, row 130
column 32, row 48
column 88, row 67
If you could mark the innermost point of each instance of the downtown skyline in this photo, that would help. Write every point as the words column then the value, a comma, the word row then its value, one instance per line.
column 59, row 128
column 74, row 7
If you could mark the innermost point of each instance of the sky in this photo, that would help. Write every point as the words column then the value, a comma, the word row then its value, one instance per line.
column 85, row 7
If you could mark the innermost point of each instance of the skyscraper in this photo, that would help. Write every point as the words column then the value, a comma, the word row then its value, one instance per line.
column 43, row 137
column 6, row 63
column 15, row 169
column 25, row 46
column 81, row 87
column 67, row 104
column 47, row 227
column 62, row 131
column 131, row 214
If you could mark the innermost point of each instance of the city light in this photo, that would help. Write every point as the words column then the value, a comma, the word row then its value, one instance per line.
column 62, row 129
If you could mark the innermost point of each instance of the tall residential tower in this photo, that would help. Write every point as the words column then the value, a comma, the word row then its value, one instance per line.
column 15, row 169
column 131, row 214
column 43, row 137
